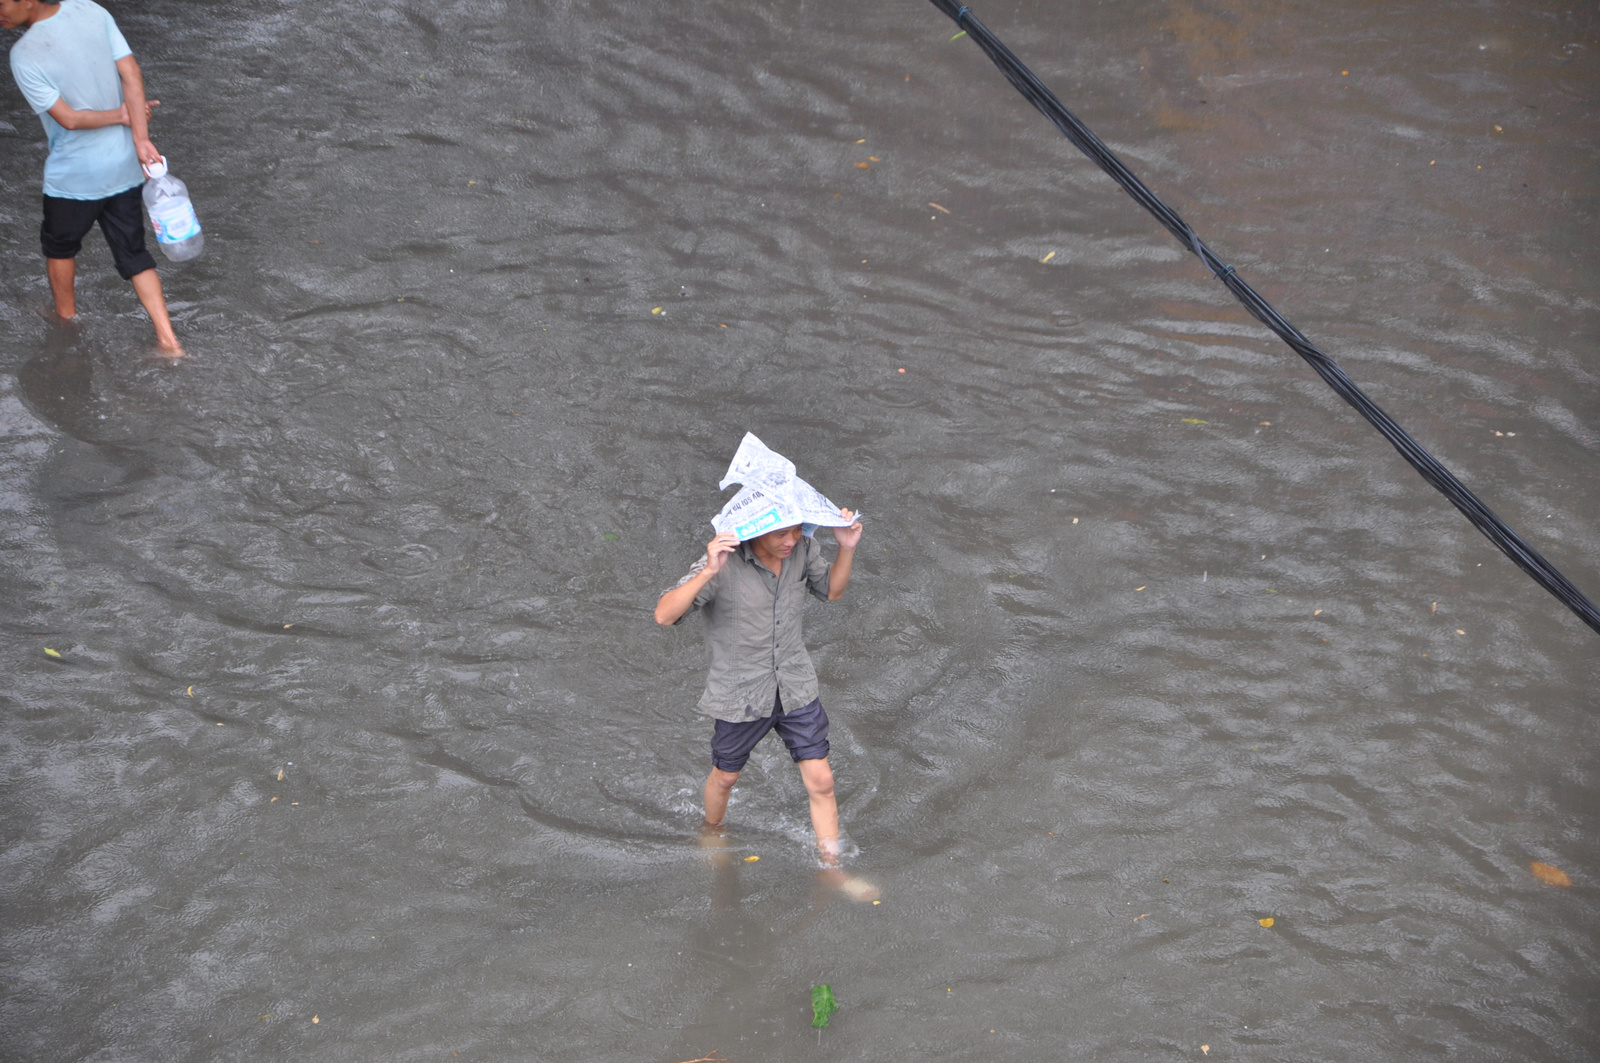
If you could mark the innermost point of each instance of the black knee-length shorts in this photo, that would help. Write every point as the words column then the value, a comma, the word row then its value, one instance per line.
column 68, row 221
column 804, row 731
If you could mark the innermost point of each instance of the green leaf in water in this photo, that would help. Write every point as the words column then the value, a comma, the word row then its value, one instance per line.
column 610, row 537
column 822, row 1005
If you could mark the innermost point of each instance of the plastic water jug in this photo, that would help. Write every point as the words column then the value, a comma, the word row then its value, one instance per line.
column 177, row 228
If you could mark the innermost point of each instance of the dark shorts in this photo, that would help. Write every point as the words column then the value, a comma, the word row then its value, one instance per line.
column 68, row 221
column 804, row 731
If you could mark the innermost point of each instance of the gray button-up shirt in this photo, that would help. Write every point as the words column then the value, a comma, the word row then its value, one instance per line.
column 754, row 646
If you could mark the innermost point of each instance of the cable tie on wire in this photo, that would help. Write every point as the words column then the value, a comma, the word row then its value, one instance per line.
column 962, row 14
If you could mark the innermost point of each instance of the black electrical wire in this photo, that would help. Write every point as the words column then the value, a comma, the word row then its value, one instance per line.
column 1483, row 518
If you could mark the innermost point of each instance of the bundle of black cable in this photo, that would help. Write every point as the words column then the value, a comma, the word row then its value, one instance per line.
column 1483, row 518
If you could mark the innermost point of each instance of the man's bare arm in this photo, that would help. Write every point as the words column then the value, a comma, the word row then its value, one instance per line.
column 839, row 575
column 137, row 111
column 677, row 601
column 68, row 118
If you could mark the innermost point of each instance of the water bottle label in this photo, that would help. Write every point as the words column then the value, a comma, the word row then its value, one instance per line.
column 174, row 222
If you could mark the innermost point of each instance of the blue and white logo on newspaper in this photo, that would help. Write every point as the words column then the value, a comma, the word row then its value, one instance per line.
column 755, row 526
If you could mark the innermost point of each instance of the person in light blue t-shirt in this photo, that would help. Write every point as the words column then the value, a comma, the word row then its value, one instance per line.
column 79, row 75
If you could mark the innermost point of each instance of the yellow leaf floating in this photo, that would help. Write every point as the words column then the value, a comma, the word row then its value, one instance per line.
column 1048, row 257
column 1193, row 420
column 751, row 859
column 657, row 310
column 52, row 653
column 1267, row 922
column 1549, row 874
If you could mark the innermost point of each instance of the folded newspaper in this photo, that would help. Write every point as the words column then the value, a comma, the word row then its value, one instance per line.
column 772, row 496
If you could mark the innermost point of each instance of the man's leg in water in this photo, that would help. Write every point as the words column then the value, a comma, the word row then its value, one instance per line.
column 731, row 743
column 818, row 778
column 147, row 284
column 63, row 274
column 719, row 784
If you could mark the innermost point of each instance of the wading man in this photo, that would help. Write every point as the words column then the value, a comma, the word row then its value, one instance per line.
column 760, row 677
column 79, row 76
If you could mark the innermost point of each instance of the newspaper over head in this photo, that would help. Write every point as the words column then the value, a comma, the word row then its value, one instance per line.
column 771, row 496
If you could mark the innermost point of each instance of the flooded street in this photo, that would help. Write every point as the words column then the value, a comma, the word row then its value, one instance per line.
column 362, row 743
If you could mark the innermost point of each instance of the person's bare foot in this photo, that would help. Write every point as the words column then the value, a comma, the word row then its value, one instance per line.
column 48, row 313
column 853, row 887
column 713, row 835
column 714, row 840
column 170, row 351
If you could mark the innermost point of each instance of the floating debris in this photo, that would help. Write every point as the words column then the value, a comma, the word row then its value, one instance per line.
column 822, row 1005
column 1549, row 874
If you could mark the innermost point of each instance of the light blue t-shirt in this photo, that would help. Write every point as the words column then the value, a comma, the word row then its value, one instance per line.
column 72, row 56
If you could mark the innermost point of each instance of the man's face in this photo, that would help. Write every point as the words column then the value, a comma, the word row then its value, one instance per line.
column 780, row 543
column 14, row 13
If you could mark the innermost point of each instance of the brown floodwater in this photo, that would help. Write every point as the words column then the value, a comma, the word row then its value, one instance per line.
column 362, row 744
